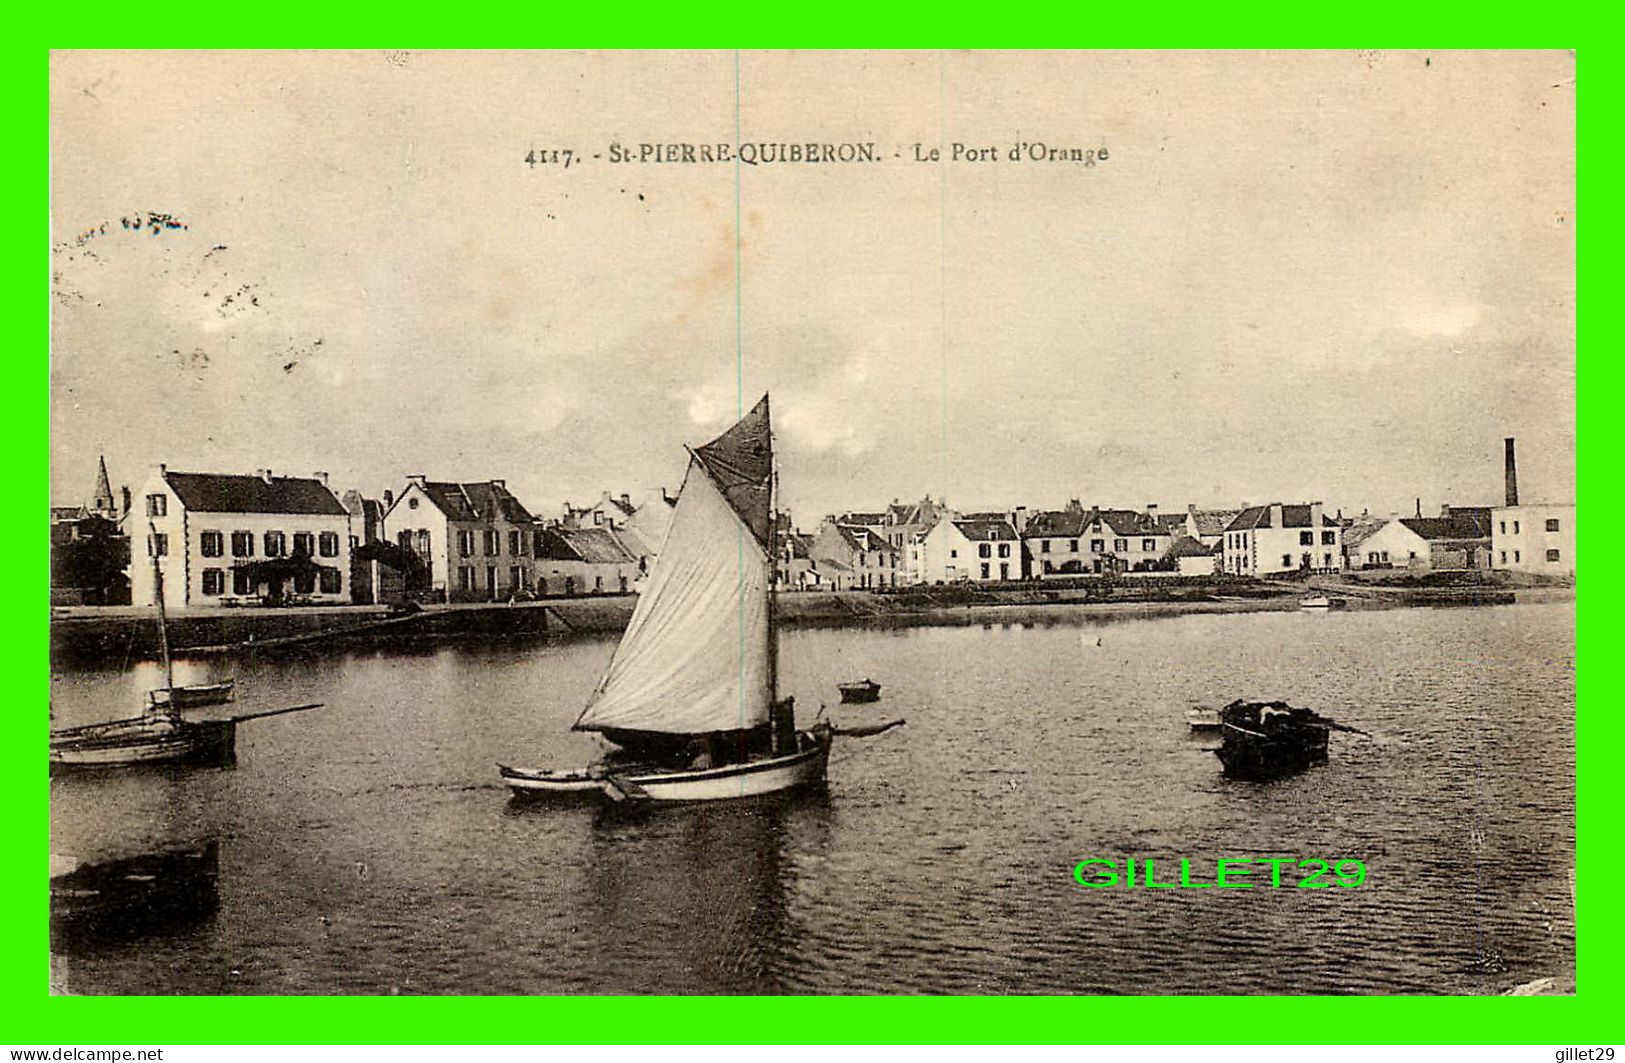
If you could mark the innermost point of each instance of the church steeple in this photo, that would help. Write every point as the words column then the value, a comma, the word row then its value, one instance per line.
column 102, row 503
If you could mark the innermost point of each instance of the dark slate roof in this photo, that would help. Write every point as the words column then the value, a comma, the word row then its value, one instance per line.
column 1056, row 524
column 986, row 530
column 1127, row 521
column 1259, row 517
column 1214, row 521
column 864, row 540
column 1172, row 523
column 596, row 546
column 1185, row 546
column 870, row 519
column 1359, row 531
column 205, row 492
column 484, row 500
column 1456, row 526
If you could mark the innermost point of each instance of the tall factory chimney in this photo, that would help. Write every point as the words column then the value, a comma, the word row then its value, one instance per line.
column 1512, row 474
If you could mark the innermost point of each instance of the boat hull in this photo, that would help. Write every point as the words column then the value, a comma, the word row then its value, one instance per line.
column 158, row 741
column 754, row 778
column 857, row 693
column 768, row 775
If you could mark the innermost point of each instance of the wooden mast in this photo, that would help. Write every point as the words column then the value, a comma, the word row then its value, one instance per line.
column 773, row 597
column 163, row 617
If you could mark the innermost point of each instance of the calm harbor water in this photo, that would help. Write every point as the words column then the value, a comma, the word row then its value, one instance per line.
column 366, row 847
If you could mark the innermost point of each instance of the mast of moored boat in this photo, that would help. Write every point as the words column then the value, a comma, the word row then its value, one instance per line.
column 163, row 617
column 773, row 602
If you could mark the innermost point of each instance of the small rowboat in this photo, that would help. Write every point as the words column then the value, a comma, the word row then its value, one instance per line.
column 193, row 697
column 541, row 783
column 1320, row 601
column 868, row 690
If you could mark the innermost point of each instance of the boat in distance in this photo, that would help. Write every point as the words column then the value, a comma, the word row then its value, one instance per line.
column 867, row 690
column 690, row 698
column 1321, row 601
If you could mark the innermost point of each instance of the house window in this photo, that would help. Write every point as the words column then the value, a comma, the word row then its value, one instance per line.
column 1517, row 557
column 1328, row 561
column 984, row 550
column 1074, row 545
column 1371, row 558
column 330, row 580
column 275, row 544
column 536, row 543
column 1328, row 538
column 157, row 505
column 516, row 544
column 1554, row 555
column 514, row 577
column 1306, row 538
column 1503, row 532
column 242, row 544
column 1004, row 549
column 240, row 582
column 1503, row 557
column 953, row 553
column 411, row 503
column 598, row 584
column 465, row 545
column 1516, row 530
column 211, row 544
column 1043, row 547
column 304, row 543
column 214, row 581
column 1286, row 560
column 158, row 545
column 1120, row 545
column 493, row 542
column 1552, row 526
column 304, row 583
column 328, row 544
column 1385, row 556
column 984, row 570
column 465, row 578
column 1413, row 555
column 1148, row 545
column 423, row 543
column 404, row 540
column 1097, row 546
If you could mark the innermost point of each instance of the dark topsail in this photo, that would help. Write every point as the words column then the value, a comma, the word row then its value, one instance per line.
column 740, row 462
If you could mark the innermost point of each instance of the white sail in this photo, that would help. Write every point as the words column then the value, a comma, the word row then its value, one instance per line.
column 695, row 657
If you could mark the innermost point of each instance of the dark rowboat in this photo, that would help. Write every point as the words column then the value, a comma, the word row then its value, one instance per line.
column 868, row 690
column 1270, row 739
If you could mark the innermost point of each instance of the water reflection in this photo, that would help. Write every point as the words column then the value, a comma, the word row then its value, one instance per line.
column 696, row 899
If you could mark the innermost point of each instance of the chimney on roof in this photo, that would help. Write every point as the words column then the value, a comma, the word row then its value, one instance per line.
column 1190, row 507
column 265, row 474
column 389, row 498
column 1018, row 519
column 1418, row 507
column 1512, row 473
column 1151, row 510
column 418, row 478
column 124, row 496
column 1317, row 514
column 1444, row 510
column 1276, row 518
column 322, row 476
column 502, row 484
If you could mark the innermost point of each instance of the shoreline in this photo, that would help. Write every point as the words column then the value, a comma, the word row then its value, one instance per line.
column 91, row 636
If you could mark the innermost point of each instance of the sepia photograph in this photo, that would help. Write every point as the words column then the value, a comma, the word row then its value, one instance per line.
column 1079, row 523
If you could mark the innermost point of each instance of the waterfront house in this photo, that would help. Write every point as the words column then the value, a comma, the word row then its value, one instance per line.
column 1055, row 539
column 1192, row 558
column 972, row 549
column 572, row 561
column 864, row 550
column 1535, row 538
column 1456, row 540
column 1277, row 538
column 225, row 539
column 475, row 538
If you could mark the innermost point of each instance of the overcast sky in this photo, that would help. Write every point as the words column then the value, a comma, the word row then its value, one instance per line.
column 1329, row 276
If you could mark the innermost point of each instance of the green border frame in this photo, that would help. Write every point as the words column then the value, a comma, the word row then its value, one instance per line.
column 34, row 1017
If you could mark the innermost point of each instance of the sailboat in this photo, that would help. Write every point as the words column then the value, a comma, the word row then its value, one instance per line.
column 690, row 697
column 160, row 735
